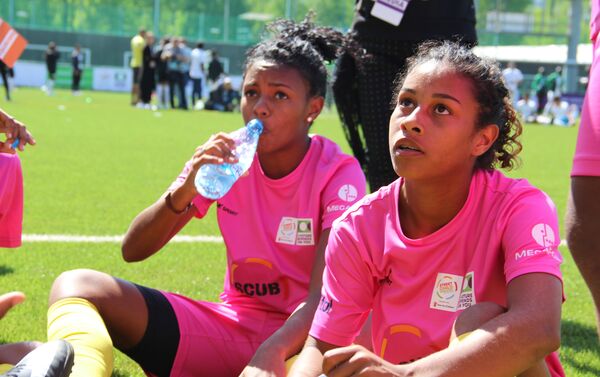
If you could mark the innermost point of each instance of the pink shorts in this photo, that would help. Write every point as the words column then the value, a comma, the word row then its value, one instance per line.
column 11, row 200
column 587, row 153
column 218, row 339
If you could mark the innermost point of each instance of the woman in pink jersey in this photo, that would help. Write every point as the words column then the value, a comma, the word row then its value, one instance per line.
column 583, row 209
column 275, row 224
column 452, row 248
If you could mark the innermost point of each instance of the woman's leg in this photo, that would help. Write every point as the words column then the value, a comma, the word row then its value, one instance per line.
column 91, row 310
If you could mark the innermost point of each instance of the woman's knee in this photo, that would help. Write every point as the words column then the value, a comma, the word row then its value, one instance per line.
column 80, row 283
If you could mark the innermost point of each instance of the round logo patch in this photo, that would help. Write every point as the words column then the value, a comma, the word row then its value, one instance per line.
column 348, row 193
column 543, row 235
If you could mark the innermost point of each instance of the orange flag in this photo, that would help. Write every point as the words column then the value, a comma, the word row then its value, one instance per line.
column 12, row 44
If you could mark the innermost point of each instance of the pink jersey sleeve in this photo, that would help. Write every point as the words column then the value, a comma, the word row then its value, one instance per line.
column 587, row 152
column 531, row 237
column 345, row 187
column 348, row 290
column 201, row 203
column 11, row 200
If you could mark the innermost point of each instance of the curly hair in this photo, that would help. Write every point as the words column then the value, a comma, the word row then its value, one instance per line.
column 495, row 106
column 305, row 47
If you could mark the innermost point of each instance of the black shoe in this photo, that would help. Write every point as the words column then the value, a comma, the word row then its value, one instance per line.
column 52, row 359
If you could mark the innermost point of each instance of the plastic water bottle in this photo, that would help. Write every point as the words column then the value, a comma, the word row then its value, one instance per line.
column 214, row 180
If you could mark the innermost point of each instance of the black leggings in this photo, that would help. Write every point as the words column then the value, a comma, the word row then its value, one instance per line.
column 156, row 352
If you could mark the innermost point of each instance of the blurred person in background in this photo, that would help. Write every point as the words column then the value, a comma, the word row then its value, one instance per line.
column 197, row 73
column 51, row 56
column 215, row 70
column 77, row 64
column 162, row 85
column 513, row 78
column 147, row 81
column 137, row 47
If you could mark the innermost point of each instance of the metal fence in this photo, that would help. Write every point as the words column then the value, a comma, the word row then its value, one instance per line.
column 499, row 22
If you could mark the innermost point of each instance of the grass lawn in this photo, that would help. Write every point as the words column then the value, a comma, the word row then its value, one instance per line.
column 99, row 162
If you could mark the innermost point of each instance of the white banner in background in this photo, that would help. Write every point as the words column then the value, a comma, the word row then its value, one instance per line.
column 114, row 79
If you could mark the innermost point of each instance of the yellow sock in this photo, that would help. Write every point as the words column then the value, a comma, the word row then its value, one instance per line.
column 77, row 321
column 5, row 367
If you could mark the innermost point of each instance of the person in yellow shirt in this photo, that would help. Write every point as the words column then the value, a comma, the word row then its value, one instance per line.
column 137, row 47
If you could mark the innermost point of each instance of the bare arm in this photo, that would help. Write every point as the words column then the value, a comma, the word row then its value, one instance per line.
column 288, row 340
column 157, row 224
column 504, row 346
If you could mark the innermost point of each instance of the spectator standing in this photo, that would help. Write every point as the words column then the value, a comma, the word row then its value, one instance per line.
column 137, row 48
column 554, row 83
column 184, row 57
column 363, row 88
column 4, row 73
column 51, row 56
column 538, row 87
column 162, row 87
column 513, row 78
column 197, row 72
column 147, row 81
column 169, row 55
column 215, row 70
column 77, row 64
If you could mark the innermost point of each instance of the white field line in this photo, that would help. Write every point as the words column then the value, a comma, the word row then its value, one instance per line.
column 117, row 239
column 60, row 238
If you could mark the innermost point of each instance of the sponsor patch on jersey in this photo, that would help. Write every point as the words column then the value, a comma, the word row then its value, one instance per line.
column 295, row 231
column 446, row 292
column 348, row 193
column 467, row 295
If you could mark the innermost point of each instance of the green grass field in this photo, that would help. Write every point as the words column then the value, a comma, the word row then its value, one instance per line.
column 99, row 162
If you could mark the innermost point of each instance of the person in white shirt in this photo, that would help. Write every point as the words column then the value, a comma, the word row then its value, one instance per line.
column 513, row 77
column 526, row 108
column 197, row 72
column 558, row 113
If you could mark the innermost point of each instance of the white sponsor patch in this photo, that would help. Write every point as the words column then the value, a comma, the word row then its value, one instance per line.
column 543, row 235
column 446, row 292
column 467, row 294
column 294, row 231
column 390, row 11
column 348, row 193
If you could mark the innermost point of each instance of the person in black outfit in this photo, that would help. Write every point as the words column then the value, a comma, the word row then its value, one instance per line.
column 51, row 56
column 363, row 89
column 162, row 87
column 147, row 81
column 215, row 70
column 4, row 73
column 77, row 64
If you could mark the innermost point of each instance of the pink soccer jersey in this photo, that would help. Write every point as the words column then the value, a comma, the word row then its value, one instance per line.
column 587, row 153
column 417, row 287
column 11, row 200
column 271, row 227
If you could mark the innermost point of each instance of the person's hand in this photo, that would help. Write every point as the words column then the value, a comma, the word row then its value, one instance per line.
column 13, row 130
column 356, row 360
column 217, row 150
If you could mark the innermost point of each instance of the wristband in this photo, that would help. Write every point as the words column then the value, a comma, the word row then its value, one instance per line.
column 172, row 208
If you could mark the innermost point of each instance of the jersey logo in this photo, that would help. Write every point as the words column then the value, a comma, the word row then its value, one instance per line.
column 348, row 193
column 295, row 231
column 453, row 292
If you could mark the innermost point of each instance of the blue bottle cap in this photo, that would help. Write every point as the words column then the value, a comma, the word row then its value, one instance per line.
column 255, row 124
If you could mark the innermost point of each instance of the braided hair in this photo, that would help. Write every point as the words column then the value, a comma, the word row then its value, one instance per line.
column 495, row 106
column 304, row 47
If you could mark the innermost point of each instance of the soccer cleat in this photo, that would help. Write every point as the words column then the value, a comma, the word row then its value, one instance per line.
column 52, row 359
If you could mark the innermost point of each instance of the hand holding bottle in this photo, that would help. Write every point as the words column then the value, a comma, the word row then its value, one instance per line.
column 214, row 179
